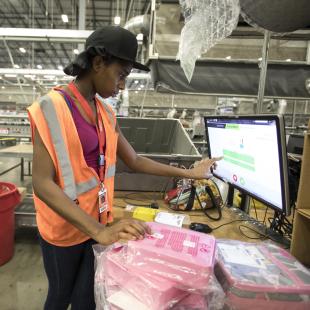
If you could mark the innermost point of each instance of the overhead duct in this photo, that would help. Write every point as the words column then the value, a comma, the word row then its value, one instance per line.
column 276, row 15
column 139, row 24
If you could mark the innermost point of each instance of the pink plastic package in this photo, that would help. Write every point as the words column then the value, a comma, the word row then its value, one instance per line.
column 154, row 292
column 181, row 255
column 258, row 276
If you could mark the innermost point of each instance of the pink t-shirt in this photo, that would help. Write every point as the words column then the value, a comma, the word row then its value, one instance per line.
column 88, row 137
column 87, row 134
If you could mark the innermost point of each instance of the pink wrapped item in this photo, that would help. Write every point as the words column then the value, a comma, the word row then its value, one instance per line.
column 181, row 255
column 258, row 276
column 192, row 302
column 154, row 292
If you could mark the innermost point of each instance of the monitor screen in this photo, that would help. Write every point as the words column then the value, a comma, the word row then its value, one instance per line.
column 295, row 144
column 254, row 156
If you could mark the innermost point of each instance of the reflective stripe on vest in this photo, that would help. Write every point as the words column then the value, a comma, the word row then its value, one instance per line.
column 71, row 189
column 110, row 172
column 84, row 187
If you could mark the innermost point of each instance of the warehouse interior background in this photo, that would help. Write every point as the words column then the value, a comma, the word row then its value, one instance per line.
column 31, row 62
column 38, row 38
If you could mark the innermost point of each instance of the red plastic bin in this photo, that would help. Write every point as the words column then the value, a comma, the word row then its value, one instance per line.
column 9, row 198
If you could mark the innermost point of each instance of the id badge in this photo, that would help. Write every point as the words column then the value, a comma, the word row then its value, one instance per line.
column 102, row 198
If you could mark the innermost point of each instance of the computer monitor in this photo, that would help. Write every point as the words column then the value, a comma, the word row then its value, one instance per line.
column 254, row 156
column 295, row 144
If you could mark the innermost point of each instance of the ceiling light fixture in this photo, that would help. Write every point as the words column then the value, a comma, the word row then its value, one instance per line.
column 39, row 66
column 29, row 76
column 117, row 20
column 136, row 81
column 61, row 35
column 22, row 50
column 76, row 51
column 288, row 59
column 260, row 59
column 65, row 18
column 60, row 67
column 16, row 66
column 228, row 57
column 10, row 75
column 3, row 87
column 139, row 36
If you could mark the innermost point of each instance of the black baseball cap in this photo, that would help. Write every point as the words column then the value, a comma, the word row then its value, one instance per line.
column 114, row 40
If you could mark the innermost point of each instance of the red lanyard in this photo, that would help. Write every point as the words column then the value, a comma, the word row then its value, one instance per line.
column 99, row 126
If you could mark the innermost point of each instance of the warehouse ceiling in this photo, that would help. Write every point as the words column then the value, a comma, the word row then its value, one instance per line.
column 47, row 14
column 49, row 54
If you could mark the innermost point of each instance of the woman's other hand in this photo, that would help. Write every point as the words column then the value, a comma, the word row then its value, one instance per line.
column 126, row 229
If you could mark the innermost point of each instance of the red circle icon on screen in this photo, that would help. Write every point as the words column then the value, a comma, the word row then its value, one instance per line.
column 235, row 178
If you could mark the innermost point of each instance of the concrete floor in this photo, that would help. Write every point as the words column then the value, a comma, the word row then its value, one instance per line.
column 23, row 284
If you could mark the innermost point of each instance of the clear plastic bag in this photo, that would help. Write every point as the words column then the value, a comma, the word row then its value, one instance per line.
column 261, row 275
column 180, row 255
column 122, row 284
column 206, row 23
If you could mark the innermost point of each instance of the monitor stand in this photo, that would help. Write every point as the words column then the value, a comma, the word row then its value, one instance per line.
column 245, row 200
column 243, row 213
column 245, row 203
column 230, row 196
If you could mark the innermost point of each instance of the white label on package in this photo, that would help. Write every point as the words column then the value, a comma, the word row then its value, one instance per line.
column 240, row 255
column 129, row 207
column 157, row 235
column 170, row 219
column 125, row 301
column 189, row 244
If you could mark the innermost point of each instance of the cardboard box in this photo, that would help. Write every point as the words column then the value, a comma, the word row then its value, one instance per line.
column 300, row 246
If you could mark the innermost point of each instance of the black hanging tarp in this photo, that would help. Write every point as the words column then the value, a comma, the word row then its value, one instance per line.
column 231, row 78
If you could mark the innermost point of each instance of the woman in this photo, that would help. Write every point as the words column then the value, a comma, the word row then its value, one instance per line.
column 76, row 139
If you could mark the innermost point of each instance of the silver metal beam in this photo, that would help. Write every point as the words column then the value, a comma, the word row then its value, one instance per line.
column 263, row 72
column 294, row 114
column 82, row 18
column 128, row 12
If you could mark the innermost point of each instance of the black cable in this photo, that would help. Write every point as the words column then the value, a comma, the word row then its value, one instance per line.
column 127, row 199
column 231, row 222
column 265, row 215
column 219, row 209
column 262, row 236
column 266, row 235
column 280, row 224
column 254, row 208
column 219, row 192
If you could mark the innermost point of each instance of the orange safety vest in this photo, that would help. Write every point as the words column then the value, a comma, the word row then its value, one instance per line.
column 51, row 116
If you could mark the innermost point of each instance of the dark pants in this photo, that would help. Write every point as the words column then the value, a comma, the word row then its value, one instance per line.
column 70, row 273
